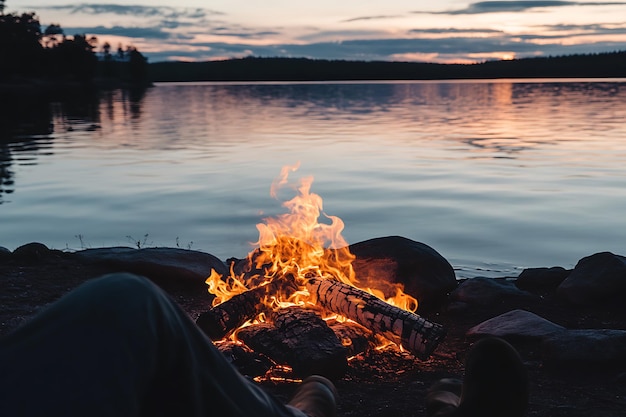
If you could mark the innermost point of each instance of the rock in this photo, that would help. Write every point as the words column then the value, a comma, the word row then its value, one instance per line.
column 424, row 273
column 595, row 279
column 32, row 251
column 573, row 350
column 162, row 264
column 541, row 279
column 516, row 324
column 487, row 291
column 4, row 253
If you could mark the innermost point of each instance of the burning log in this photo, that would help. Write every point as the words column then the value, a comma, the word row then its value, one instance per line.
column 356, row 338
column 413, row 332
column 221, row 320
column 301, row 339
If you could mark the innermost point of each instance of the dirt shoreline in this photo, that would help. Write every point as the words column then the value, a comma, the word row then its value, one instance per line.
column 385, row 383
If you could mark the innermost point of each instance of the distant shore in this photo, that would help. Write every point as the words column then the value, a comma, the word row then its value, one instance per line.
column 255, row 69
column 606, row 65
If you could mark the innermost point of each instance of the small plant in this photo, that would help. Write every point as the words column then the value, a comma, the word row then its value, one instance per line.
column 81, row 239
column 139, row 243
column 189, row 245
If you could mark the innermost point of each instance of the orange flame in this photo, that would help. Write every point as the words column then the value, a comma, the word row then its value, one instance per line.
column 296, row 245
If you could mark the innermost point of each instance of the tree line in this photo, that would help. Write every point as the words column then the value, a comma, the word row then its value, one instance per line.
column 27, row 52
column 601, row 65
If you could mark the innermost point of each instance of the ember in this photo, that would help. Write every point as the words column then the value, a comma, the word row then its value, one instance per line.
column 300, row 262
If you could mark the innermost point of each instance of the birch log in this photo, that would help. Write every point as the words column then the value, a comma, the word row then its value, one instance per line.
column 413, row 332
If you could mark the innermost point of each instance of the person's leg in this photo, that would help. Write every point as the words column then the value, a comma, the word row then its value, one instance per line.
column 495, row 385
column 118, row 346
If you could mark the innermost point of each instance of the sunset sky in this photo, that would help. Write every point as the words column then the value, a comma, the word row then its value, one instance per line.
column 391, row 30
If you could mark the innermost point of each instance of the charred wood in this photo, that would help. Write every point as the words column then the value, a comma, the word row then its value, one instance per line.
column 221, row 320
column 301, row 339
column 413, row 332
column 247, row 361
column 354, row 337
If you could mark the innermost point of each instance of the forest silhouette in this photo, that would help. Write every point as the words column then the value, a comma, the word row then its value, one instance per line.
column 49, row 58
column 600, row 65
column 38, row 66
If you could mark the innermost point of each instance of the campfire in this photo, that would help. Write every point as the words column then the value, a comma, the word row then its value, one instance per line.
column 296, row 298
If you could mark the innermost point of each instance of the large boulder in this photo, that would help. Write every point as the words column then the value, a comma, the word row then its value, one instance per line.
column 4, row 253
column 596, row 279
column 486, row 292
column 585, row 350
column 159, row 264
column 541, row 279
column 515, row 325
column 33, row 251
column 385, row 261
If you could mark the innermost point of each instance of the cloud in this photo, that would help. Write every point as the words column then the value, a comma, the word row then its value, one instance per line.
column 388, row 49
column 516, row 6
column 338, row 35
column 439, row 31
column 590, row 29
column 129, row 32
column 164, row 33
column 380, row 17
column 452, row 44
column 225, row 31
column 134, row 10
column 379, row 49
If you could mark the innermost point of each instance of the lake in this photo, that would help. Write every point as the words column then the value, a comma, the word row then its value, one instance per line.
column 496, row 176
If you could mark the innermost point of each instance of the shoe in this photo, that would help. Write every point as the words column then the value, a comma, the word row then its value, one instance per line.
column 496, row 381
column 316, row 397
column 443, row 397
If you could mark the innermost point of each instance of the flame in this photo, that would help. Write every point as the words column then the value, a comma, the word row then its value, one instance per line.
column 294, row 247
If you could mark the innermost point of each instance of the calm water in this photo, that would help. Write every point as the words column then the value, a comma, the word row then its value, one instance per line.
column 496, row 176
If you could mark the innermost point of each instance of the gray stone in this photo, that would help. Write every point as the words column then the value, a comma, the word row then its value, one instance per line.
column 574, row 350
column 595, row 279
column 157, row 263
column 487, row 291
column 4, row 253
column 541, row 279
column 425, row 274
column 32, row 251
column 516, row 324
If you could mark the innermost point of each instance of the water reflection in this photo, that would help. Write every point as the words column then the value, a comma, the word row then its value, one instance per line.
column 6, row 174
column 493, row 119
column 488, row 119
column 30, row 124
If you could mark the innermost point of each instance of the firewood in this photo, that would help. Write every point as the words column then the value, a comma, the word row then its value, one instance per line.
column 301, row 339
column 247, row 361
column 413, row 332
column 221, row 320
column 356, row 338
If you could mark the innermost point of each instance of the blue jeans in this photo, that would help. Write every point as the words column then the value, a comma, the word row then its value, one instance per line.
column 119, row 346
